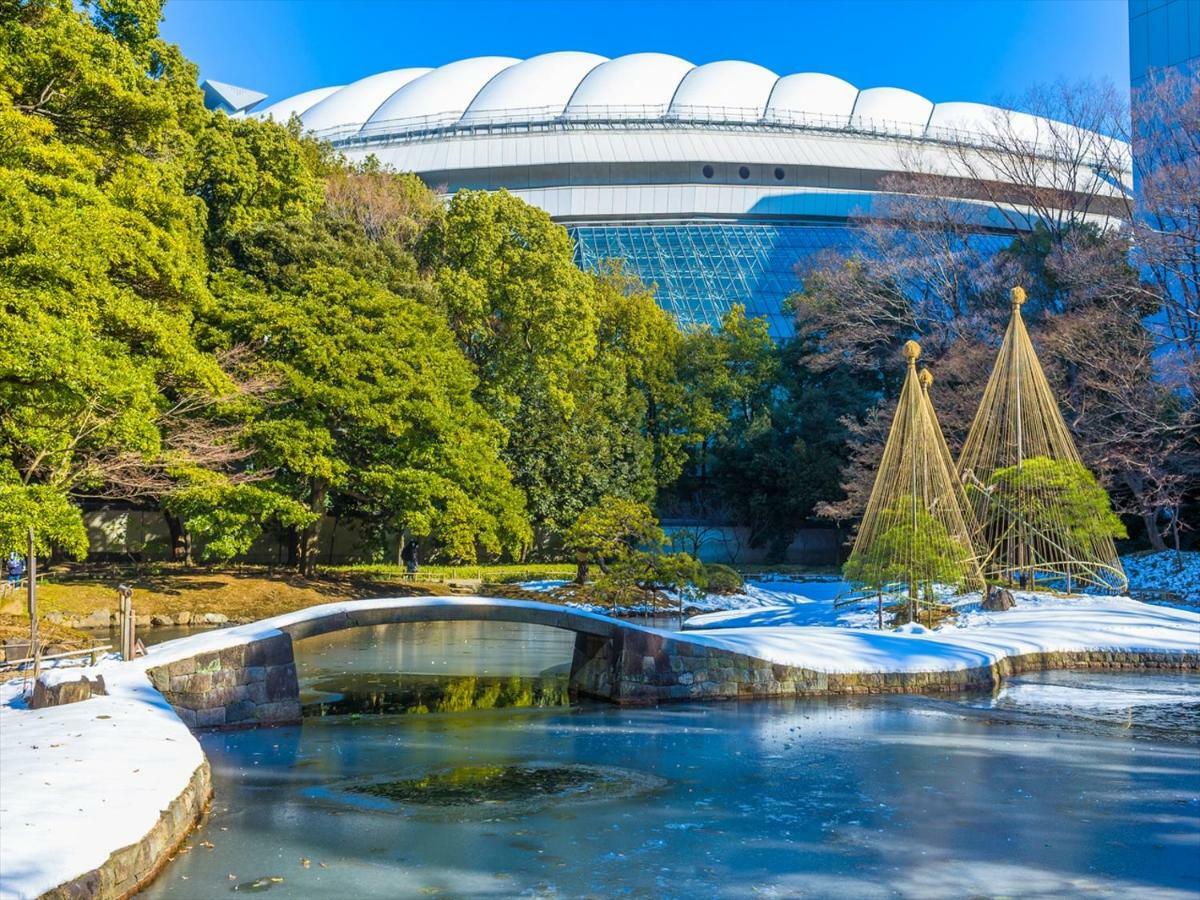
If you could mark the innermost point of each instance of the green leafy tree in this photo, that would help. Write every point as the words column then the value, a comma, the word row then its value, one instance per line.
column 913, row 549
column 55, row 521
column 580, row 369
column 613, row 529
column 225, row 518
column 623, row 538
column 376, row 404
column 1059, row 508
column 102, row 272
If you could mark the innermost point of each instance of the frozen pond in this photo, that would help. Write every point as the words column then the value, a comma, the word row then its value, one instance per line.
column 1063, row 784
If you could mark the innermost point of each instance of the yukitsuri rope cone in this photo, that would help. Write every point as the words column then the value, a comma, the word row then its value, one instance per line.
column 1019, row 466
column 914, row 536
column 926, row 378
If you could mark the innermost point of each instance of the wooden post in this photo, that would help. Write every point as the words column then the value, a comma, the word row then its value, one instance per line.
column 128, row 642
column 31, row 574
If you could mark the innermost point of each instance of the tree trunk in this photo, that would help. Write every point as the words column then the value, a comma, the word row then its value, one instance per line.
column 181, row 542
column 581, row 571
column 293, row 546
column 1150, row 519
column 308, row 540
column 332, row 538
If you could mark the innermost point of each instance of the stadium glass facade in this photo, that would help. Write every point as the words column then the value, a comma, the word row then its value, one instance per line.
column 699, row 270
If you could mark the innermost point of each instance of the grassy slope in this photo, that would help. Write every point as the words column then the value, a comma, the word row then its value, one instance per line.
column 251, row 593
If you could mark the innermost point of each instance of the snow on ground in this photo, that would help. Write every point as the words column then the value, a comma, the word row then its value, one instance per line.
column 1167, row 571
column 755, row 593
column 1038, row 623
column 82, row 780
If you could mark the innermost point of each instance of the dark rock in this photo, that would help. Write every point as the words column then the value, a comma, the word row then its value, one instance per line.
column 998, row 600
column 241, row 711
column 272, row 651
column 63, row 692
column 16, row 648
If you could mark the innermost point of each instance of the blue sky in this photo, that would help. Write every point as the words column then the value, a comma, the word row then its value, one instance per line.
column 982, row 50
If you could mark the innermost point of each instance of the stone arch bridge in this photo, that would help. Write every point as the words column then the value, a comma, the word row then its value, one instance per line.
column 247, row 675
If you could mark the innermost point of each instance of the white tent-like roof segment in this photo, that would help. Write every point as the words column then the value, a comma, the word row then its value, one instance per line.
column 573, row 86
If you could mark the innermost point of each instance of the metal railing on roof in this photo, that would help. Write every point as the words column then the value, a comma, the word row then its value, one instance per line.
column 653, row 117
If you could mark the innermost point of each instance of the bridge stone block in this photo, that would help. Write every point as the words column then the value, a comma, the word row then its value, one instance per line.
column 252, row 683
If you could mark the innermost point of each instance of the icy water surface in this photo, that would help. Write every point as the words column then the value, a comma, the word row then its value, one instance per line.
column 1064, row 784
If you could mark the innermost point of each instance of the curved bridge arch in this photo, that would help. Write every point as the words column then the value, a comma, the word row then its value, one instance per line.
column 360, row 613
column 247, row 675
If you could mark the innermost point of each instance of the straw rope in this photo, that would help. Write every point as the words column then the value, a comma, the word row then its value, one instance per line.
column 914, row 536
column 1019, row 466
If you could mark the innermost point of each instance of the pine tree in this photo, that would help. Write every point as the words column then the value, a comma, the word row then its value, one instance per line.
column 914, row 535
column 1039, row 512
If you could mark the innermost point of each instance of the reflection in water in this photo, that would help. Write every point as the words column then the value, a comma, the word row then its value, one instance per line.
column 398, row 693
column 863, row 798
column 434, row 667
column 1168, row 708
column 492, row 791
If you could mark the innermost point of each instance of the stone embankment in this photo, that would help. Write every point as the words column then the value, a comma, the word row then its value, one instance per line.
column 246, row 684
column 129, row 869
column 108, row 618
column 645, row 667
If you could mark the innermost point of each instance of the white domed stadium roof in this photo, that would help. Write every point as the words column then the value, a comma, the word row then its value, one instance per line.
column 444, row 92
column 640, row 83
column 572, row 86
column 282, row 110
column 356, row 102
column 738, row 89
column 739, row 122
column 539, row 84
column 812, row 96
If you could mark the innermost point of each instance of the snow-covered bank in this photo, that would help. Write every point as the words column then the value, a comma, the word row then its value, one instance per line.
column 1038, row 624
column 755, row 593
column 1167, row 571
column 81, row 781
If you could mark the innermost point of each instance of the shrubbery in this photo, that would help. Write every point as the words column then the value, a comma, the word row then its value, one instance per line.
column 723, row 579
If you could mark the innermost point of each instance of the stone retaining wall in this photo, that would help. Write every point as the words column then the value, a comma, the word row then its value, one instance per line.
column 248, row 684
column 131, row 868
column 111, row 618
column 648, row 668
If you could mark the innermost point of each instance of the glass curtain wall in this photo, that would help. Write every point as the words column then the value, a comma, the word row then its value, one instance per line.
column 700, row 269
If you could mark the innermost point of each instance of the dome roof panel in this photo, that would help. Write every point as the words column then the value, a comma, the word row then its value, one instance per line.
column 741, row 89
column 299, row 104
column 544, row 83
column 974, row 117
column 812, row 97
column 355, row 103
column 981, row 120
column 629, row 86
column 446, row 91
column 893, row 109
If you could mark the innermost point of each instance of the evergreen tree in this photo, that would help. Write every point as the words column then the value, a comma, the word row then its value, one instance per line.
column 1051, row 500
